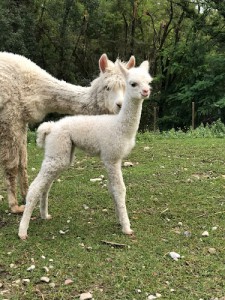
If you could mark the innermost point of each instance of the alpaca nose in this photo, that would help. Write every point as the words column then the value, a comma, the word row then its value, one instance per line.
column 145, row 92
column 119, row 105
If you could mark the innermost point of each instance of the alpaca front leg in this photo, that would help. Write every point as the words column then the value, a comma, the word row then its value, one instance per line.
column 118, row 190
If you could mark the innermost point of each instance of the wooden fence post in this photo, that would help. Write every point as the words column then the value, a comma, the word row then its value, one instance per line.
column 154, row 118
column 193, row 115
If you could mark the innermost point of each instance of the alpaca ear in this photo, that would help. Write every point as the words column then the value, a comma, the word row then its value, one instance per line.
column 103, row 63
column 131, row 63
column 123, row 69
column 145, row 65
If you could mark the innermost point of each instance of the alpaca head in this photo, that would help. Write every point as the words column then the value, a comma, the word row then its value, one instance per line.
column 137, row 81
column 110, row 85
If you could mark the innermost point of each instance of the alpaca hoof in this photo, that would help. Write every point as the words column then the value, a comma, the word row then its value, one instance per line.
column 16, row 209
column 128, row 231
column 46, row 217
column 23, row 237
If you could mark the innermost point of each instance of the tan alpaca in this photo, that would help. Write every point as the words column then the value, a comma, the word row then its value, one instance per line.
column 28, row 93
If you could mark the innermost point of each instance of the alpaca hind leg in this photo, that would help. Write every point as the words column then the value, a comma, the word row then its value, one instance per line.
column 44, row 204
column 50, row 171
column 63, row 157
column 30, row 205
column 38, row 191
column 9, row 156
column 56, row 160
column 11, row 182
column 118, row 190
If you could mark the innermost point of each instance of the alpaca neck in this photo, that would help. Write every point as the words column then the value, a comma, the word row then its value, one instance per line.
column 66, row 98
column 130, row 115
column 54, row 96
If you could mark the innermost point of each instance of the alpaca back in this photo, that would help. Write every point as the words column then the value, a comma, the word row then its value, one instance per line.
column 14, row 63
column 43, row 130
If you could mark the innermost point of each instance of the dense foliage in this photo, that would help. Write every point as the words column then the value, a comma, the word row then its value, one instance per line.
column 184, row 41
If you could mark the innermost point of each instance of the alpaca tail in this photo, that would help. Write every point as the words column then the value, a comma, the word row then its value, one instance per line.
column 43, row 130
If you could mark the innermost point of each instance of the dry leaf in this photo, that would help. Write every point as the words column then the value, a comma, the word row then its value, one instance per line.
column 212, row 250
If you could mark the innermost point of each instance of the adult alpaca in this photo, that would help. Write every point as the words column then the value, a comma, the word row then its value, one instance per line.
column 28, row 93
column 110, row 137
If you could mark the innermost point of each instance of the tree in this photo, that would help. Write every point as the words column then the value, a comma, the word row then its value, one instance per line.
column 184, row 40
column 17, row 23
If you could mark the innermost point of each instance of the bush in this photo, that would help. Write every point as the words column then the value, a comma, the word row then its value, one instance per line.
column 214, row 130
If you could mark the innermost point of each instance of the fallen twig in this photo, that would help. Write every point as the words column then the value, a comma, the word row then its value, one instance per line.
column 40, row 293
column 162, row 212
column 114, row 244
column 216, row 213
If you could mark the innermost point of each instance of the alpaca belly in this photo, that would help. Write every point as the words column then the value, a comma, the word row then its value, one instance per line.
column 84, row 134
column 89, row 148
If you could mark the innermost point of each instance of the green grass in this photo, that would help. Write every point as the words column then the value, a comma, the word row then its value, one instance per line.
column 174, row 180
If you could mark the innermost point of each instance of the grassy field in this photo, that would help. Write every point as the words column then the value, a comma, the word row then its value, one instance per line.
column 175, row 192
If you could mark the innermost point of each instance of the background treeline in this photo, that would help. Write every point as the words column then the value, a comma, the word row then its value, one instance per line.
column 184, row 40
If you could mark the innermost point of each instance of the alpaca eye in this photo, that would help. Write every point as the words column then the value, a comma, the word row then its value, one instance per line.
column 107, row 88
column 133, row 84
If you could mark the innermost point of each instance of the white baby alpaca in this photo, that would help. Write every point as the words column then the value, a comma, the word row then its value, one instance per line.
column 111, row 137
